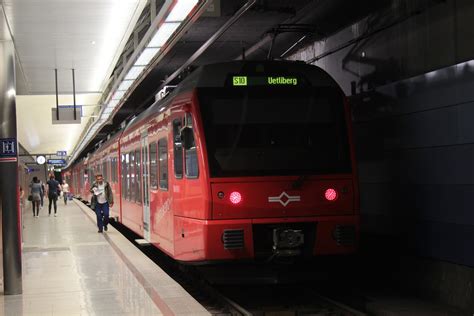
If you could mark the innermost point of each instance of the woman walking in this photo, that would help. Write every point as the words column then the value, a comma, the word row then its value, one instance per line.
column 36, row 192
column 65, row 190
column 54, row 188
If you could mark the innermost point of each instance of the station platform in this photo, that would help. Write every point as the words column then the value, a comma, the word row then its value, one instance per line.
column 71, row 269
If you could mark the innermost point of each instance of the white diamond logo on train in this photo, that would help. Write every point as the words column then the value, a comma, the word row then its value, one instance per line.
column 284, row 199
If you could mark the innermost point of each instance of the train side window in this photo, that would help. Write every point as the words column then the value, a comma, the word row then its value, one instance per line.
column 131, row 172
column 178, row 149
column 105, row 170
column 138, row 192
column 163, row 161
column 112, row 170
column 116, row 169
column 124, row 175
column 129, row 175
column 189, row 144
column 153, row 166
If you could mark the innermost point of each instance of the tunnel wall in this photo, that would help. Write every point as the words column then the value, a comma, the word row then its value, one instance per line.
column 411, row 87
column 413, row 123
column 410, row 38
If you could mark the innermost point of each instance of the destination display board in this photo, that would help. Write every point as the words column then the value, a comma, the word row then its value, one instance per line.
column 245, row 81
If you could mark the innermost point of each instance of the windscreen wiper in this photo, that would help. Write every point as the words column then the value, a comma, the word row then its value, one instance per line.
column 298, row 183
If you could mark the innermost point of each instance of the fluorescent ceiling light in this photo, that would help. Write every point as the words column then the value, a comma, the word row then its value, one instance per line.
column 125, row 85
column 181, row 10
column 112, row 104
column 11, row 93
column 118, row 95
column 146, row 56
column 134, row 72
column 163, row 34
column 116, row 24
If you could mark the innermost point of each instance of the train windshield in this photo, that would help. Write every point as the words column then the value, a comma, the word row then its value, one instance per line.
column 261, row 131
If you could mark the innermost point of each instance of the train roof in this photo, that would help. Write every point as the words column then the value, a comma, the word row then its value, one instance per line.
column 217, row 75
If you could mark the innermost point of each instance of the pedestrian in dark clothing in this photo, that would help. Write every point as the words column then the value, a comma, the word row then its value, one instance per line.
column 36, row 192
column 102, row 200
column 53, row 192
column 43, row 190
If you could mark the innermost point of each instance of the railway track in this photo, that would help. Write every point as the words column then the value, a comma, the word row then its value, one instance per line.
column 237, row 299
column 285, row 300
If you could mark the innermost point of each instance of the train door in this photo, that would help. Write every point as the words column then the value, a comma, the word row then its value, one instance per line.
column 145, row 186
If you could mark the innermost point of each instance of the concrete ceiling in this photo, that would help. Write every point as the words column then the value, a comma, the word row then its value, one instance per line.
column 87, row 35
column 65, row 34
column 36, row 132
column 314, row 19
column 51, row 34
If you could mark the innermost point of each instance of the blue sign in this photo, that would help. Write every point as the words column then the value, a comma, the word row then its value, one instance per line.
column 8, row 147
column 56, row 161
column 61, row 153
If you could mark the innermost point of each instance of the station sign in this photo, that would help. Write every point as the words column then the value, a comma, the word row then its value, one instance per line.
column 8, row 147
column 61, row 153
column 56, row 161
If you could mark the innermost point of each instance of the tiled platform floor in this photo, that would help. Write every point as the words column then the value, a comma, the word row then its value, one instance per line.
column 70, row 269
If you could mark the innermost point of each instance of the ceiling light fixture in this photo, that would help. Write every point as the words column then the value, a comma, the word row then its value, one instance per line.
column 11, row 93
column 163, row 34
column 178, row 13
column 181, row 10
column 125, row 85
column 118, row 95
column 134, row 72
column 146, row 56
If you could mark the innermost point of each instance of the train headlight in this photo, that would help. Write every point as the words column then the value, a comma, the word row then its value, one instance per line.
column 235, row 197
column 331, row 194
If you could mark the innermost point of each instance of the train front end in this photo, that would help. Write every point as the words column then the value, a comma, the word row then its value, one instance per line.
column 281, row 165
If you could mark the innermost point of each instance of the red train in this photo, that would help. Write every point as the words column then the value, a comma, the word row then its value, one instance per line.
column 243, row 160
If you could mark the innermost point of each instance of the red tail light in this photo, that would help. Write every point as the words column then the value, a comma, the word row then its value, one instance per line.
column 235, row 197
column 330, row 194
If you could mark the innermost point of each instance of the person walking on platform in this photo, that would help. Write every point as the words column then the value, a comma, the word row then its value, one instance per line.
column 42, row 193
column 102, row 200
column 22, row 196
column 36, row 192
column 65, row 189
column 53, row 192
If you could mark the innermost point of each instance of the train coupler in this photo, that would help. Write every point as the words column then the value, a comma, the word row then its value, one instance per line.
column 287, row 242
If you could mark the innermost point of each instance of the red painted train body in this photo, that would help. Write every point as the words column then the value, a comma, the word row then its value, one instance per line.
column 243, row 160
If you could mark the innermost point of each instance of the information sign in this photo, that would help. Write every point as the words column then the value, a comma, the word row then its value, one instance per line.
column 8, row 147
column 56, row 161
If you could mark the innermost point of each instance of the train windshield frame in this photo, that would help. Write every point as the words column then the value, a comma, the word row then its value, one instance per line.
column 274, row 131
